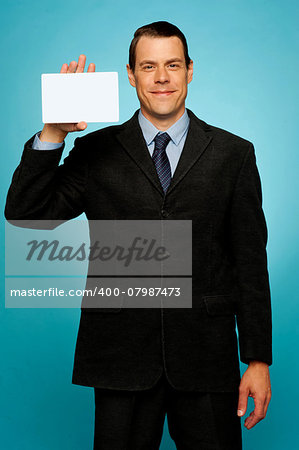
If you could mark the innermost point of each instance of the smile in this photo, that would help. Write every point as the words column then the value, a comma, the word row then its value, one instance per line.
column 162, row 93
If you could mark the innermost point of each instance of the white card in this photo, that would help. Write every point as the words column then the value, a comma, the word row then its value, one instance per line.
column 76, row 97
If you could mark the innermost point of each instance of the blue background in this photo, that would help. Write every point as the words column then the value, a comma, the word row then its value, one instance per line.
column 245, row 65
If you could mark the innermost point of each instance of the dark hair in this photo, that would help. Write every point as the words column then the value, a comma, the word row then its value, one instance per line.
column 157, row 29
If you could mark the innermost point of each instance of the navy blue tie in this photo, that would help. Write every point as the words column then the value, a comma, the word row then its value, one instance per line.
column 161, row 160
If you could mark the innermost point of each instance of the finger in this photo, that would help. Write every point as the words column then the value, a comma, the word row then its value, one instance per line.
column 81, row 64
column 64, row 68
column 256, row 415
column 268, row 398
column 242, row 403
column 71, row 127
column 72, row 67
column 248, row 421
column 252, row 420
column 91, row 67
column 80, row 126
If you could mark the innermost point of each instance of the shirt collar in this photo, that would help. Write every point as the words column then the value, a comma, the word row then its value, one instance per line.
column 176, row 131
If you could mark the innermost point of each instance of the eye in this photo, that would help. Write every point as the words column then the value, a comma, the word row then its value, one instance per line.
column 148, row 67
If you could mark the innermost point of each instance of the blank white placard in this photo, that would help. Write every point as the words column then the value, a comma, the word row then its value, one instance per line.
column 76, row 97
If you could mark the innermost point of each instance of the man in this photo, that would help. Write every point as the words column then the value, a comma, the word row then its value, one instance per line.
column 144, row 363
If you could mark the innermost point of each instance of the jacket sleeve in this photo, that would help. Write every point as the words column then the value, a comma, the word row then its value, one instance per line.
column 41, row 189
column 249, row 239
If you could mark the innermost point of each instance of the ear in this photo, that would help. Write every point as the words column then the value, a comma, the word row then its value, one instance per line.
column 131, row 76
column 190, row 72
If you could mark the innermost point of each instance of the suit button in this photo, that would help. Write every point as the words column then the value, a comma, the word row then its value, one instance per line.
column 164, row 213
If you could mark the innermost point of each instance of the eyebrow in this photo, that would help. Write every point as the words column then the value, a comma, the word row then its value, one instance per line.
column 147, row 61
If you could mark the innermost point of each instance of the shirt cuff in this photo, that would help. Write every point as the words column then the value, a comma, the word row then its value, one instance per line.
column 41, row 145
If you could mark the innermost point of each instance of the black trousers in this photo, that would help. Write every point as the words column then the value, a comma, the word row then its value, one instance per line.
column 134, row 420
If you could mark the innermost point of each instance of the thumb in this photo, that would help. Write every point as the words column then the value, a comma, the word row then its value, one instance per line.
column 80, row 126
column 242, row 404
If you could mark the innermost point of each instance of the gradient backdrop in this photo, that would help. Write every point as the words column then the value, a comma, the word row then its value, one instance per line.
column 245, row 70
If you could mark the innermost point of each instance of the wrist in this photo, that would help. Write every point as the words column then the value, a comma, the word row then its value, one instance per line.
column 51, row 133
column 257, row 363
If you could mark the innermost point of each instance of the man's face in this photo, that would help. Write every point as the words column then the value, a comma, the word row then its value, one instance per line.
column 161, row 77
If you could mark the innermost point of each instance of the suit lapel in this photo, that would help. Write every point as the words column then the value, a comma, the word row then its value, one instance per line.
column 198, row 138
column 131, row 138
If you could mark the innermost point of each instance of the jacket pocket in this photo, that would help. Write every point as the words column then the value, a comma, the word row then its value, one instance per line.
column 217, row 305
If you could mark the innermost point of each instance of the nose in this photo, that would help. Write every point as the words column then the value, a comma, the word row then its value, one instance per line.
column 161, row 75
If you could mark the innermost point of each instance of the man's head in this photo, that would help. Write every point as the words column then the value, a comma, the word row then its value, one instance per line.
column 160, row 68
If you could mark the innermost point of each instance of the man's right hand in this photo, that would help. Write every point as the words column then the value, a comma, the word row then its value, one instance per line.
column 56, row 132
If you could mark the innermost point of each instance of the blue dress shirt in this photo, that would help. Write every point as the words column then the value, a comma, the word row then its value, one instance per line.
column 177, row 132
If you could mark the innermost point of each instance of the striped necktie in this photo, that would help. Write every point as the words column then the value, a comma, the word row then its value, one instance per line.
column 161, row 160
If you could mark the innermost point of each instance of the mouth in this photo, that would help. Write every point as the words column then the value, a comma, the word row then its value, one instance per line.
column 162, row 93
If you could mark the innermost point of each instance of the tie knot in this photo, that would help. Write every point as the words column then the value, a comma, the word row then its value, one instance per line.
column 161, row 140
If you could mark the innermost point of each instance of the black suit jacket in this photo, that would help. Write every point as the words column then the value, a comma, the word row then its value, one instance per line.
column 109, row 174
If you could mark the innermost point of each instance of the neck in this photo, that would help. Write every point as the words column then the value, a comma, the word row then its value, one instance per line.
column 162, row 122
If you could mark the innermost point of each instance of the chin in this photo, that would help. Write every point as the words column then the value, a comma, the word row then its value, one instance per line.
column 159, row 112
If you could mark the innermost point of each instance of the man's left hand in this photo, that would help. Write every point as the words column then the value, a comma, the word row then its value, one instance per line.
column 255, row 383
